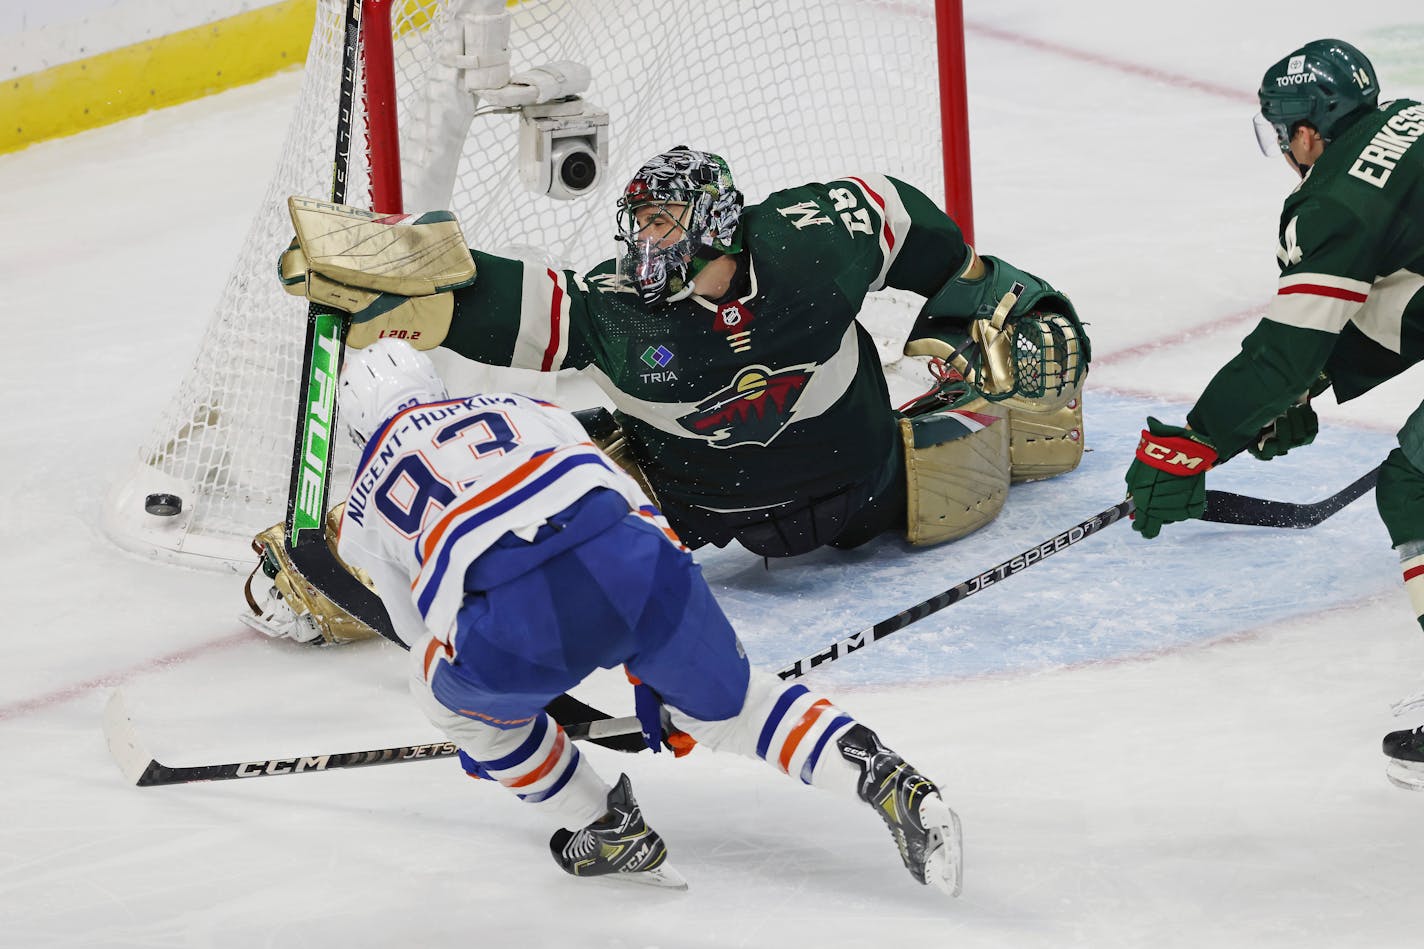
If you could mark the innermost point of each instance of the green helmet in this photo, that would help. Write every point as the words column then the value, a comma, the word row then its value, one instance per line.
column 1326, row 84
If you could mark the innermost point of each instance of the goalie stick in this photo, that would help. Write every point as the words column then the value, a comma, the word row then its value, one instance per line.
column 142, row 769
column 309, row 488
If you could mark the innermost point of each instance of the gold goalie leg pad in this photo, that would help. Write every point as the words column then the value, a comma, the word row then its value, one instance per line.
column 294, row 609
column 605, row 432
column 956, row 471
column 1045, row 444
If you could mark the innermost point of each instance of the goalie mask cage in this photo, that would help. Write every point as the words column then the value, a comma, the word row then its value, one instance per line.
column 788, row 91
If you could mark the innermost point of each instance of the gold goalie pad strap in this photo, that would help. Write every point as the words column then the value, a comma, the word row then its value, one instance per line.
column 1044, row 444
column 336, row 625
column 956, row 474
column 616, row 448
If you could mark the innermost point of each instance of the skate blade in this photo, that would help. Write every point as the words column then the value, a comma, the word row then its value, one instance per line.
column 1405, row 774
column 944, row 864
column 665, row 877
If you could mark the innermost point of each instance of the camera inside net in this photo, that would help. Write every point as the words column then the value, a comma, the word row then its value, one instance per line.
column 563, row 147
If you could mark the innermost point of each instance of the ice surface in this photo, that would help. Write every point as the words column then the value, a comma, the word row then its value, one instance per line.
column 1168, row 743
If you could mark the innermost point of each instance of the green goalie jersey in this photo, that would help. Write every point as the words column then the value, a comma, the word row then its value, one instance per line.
column 1352, row 267
column 773, row 395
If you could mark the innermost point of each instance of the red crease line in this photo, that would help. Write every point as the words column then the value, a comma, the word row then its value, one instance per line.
column 111, row 679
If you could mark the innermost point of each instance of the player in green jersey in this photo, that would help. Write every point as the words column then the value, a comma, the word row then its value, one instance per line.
column 726, row 338
column 747, row 397
column 1348, row 313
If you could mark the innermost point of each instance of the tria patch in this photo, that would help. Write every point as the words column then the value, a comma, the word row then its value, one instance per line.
column 658, row 359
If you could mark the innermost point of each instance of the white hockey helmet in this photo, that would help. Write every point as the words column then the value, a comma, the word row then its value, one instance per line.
column 380, row 380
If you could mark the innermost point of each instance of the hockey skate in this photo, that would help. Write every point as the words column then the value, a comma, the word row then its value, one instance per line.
column 1405, row 750
column 619, row 844
column 925, row 829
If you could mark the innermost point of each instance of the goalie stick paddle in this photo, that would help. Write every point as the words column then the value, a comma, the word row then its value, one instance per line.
column 1223, row 507
column 142, row 769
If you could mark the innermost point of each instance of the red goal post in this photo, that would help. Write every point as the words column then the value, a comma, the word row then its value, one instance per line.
column 788, row 91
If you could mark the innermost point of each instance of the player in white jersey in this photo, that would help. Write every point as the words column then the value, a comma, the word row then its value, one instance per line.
column 514, row 559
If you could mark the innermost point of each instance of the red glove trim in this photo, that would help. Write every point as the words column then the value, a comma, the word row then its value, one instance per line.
column 1174, row 454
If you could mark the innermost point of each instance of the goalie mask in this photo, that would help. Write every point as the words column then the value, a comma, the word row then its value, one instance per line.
column 679, row 211
column 379, row 381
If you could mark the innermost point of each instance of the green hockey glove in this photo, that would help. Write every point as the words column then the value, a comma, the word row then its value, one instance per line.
column 1167, row 481
column 1296, row 426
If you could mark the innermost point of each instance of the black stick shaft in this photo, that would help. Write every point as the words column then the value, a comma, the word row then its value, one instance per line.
column 1223, row 507
column 1022, row 561
column 143, row 770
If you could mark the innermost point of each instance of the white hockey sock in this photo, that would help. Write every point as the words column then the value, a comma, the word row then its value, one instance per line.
column 1411, row 561
column 537, row 761
column 786, row 725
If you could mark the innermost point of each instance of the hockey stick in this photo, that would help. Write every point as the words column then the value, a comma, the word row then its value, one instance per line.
column 1022, row 561
column 625, row 734
column 142, row 769
column 1223, row 507
column 309, row 489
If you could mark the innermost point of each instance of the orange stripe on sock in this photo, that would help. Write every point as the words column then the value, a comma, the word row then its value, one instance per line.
column 554, row 754
column 792, row 740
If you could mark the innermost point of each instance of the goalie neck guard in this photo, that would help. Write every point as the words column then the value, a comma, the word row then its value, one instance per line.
column 382, row 379
column 679, row 211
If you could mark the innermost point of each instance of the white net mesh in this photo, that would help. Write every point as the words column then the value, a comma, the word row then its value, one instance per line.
column 788, row 91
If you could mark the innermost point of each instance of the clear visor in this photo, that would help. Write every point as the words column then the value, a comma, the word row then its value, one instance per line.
column 662, row 223
column 645, row 262
column 1274, row 139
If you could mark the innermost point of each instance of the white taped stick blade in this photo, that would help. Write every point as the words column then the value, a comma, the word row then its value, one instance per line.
column 132, row 758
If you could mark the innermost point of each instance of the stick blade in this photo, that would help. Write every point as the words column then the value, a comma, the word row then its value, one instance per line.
column 128, row 752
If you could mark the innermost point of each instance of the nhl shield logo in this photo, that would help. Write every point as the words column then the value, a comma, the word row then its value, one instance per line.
column 733, row 317
column 734, row 321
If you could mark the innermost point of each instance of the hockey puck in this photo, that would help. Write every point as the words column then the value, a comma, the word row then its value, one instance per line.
column 163, row 505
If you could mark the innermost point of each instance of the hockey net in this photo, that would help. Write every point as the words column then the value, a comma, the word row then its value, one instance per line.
column 789, row 91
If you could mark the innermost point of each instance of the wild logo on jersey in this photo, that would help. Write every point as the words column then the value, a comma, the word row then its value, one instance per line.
column 753, row 410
